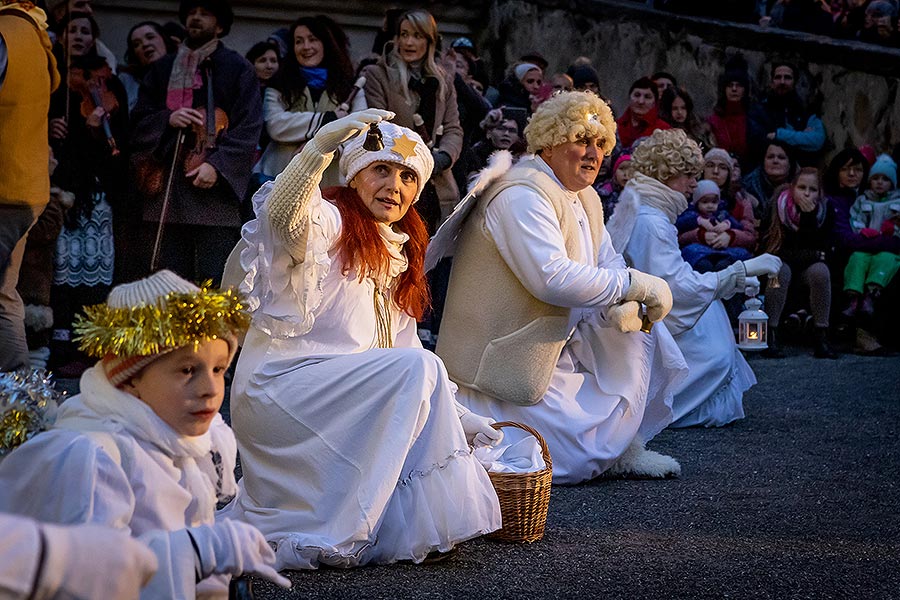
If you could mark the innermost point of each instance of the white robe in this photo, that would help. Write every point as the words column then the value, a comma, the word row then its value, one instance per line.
column 608, row 386
column 69, row 475
column 351, row 454
column 719, row 375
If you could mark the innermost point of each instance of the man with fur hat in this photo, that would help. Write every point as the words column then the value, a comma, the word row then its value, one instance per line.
column 201, row 220
column 782, row 115
column 553, row 339
column 27, row 77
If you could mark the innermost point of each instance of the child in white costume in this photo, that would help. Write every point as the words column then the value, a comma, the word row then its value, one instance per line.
column 353, row 448
column 143, row 448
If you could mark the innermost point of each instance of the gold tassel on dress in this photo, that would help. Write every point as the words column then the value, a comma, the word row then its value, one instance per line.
column 383, row 335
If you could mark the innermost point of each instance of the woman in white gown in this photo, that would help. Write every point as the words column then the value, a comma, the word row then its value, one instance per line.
column 667, row 164
column 352, row 445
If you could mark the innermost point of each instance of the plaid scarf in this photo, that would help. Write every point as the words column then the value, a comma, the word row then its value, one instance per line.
column 185, row 77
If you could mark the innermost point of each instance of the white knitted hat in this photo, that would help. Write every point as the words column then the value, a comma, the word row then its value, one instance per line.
column 152, row 291
column 401, row 145
column 523, row 68
column 706, row 187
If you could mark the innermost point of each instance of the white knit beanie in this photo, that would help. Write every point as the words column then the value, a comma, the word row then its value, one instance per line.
column 401, row 146
column 706, row 187
column 522, row 69
column 149, row 291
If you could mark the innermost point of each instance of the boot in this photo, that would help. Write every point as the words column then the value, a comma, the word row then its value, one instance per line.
column 852, row 304
column 867, row 306
column 822, row 349
column 774, row 350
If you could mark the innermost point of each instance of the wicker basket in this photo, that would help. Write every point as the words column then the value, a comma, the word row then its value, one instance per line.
column 524, row 497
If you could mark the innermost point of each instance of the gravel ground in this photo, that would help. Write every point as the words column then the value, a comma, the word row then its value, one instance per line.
column 798, row 500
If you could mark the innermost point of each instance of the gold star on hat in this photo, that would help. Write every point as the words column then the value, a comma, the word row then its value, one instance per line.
column 404, row 146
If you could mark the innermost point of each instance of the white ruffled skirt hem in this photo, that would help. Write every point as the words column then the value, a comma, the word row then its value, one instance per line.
column 431, row 510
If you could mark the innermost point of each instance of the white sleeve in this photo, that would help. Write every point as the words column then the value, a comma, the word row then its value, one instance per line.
column 62, row 476
column 20, row 555
column 653, row 248
column 526, row 231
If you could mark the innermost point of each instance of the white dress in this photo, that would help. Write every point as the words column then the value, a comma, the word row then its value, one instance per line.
column 351, row 454
column 608, row 386
column 110, row 460
column 719, row 375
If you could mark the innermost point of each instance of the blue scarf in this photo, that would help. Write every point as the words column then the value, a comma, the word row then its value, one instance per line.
column 316, row 77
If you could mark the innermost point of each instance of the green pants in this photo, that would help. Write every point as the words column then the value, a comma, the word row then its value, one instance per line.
column 864, row 268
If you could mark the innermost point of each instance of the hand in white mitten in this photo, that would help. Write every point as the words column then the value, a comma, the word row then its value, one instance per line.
column 91, row 561
column 751, row 286
column 764, row 264
column 234, row 547
column 625, row 317
column 653, row 292
column 478, row 430
column 330, row 136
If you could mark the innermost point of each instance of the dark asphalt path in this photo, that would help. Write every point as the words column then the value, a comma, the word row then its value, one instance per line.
column 798, row 500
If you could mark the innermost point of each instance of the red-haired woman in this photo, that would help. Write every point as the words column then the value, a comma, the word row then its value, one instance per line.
column 349, row 431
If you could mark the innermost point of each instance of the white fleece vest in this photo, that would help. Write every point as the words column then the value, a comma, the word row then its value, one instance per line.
column 495, row 336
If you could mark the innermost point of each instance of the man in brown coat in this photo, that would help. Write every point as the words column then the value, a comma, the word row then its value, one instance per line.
column 27, row 77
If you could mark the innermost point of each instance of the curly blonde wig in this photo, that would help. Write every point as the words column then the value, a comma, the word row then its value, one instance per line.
column 666, row 154
column 569, row 116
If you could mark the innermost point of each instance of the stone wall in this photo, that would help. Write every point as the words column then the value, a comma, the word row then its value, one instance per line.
column 857, row 83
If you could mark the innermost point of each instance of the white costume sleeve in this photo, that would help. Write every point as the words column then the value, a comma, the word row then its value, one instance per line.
column 20, row 555
column 526, row 231
column 41, row 561
column 65, row 477
column 653, row 248
column 295, row 195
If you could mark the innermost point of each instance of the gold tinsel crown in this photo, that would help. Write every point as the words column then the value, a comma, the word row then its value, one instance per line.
column 175, row 320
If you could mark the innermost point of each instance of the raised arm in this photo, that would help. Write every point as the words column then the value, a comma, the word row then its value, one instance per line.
column 297, row 186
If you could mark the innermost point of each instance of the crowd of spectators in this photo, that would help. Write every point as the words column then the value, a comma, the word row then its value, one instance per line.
column 157, row 158
column 870, row 21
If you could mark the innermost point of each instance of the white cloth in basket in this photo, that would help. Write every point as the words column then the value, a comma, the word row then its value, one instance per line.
column 522, row 456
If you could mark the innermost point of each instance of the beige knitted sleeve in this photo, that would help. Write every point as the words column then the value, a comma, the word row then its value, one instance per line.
column 294, row 189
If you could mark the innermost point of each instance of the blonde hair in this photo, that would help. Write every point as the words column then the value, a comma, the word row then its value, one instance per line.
column 570, row 116
column 667, row 153
column 423, row 22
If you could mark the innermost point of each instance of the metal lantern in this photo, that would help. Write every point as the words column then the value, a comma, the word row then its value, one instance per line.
column 753, row 325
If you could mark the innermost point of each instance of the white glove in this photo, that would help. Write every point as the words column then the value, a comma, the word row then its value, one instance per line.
column 751, row 286
column 92, row 561
column 234, row 547
column 764, row 264
column 478, row 430
column 625, row 317
column 653, row 292
column 332, row 135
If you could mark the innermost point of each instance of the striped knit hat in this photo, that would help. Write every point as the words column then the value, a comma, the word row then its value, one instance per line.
column 146, row 319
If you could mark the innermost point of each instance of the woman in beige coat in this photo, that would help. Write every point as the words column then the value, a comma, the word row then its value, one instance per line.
column 407, row 81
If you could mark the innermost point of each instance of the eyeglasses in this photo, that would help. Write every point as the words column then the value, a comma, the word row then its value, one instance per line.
column 506, row 129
